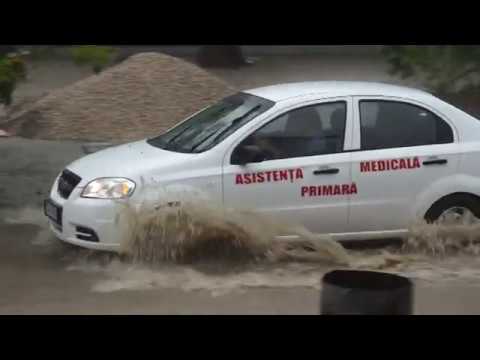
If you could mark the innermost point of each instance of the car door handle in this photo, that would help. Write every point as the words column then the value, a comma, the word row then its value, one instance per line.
column 435, row 162
column 327, row 171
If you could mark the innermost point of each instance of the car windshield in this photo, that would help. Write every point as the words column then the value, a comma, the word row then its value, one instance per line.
column 212, row 125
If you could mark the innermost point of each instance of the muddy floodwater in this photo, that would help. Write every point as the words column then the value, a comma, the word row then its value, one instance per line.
column 39, row 274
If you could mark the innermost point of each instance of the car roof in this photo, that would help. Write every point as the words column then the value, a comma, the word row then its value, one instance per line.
column 283, row 92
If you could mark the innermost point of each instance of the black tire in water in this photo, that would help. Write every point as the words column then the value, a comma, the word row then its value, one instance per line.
column 350, row 292
column 461, row 200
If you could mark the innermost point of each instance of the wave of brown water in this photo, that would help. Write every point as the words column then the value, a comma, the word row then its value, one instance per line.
column 193, row 231
column 199, row 246
column 444, row 239
column 175, row 246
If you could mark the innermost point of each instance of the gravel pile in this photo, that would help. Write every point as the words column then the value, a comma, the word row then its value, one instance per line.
column 141, row 97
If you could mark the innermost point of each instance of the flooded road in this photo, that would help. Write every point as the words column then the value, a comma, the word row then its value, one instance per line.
column 40, row 275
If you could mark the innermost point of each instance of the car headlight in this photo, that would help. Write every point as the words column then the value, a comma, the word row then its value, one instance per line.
column 109, row 188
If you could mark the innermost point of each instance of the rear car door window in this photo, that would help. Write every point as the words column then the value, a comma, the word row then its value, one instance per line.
column 394, row 124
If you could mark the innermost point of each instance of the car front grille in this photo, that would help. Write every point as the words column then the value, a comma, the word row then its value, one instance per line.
column 67, row 182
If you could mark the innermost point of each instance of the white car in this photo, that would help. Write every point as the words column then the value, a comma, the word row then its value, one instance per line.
column 356, row 160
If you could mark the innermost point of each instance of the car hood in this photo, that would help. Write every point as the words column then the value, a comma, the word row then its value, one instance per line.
column 130, row 160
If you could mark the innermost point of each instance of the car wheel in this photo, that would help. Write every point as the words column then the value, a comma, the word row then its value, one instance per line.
column 455, row 209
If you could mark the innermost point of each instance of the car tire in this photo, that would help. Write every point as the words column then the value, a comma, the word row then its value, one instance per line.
column 455, row 201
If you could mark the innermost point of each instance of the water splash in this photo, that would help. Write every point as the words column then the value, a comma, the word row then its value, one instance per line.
column 444, row 239
column 171, row 233
column 191, row 230
column 128, row 278
column 32, row 216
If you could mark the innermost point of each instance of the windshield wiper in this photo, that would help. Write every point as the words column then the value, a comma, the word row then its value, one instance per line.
column 230, row 126
column 235, row 121
column 169, row 142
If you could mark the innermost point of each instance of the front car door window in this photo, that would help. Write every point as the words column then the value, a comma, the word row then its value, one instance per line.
column 308, row 131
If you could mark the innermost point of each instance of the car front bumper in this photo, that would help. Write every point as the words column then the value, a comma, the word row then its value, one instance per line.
column 102, row 217
column 101, row 246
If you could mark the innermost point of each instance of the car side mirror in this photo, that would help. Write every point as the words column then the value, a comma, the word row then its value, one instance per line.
column 246, row 154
